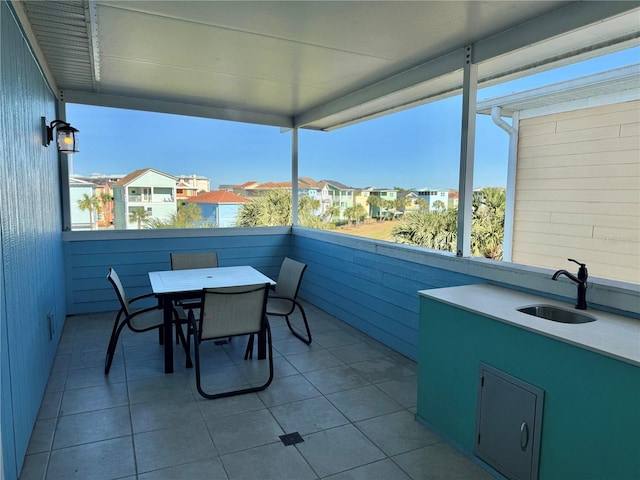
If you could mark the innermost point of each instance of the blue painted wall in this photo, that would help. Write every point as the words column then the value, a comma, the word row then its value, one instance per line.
column 134, row 254
column 32, row 274
column 375, row 293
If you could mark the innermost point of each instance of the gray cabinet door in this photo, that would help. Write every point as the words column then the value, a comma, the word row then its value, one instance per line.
column 509, row 421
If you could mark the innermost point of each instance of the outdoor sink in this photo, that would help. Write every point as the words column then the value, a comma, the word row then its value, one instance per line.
column 557, row 314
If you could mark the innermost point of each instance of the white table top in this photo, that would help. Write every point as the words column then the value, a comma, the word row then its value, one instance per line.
column 173, row 281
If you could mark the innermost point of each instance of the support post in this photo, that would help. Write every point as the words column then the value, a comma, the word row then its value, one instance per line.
column 467, row 147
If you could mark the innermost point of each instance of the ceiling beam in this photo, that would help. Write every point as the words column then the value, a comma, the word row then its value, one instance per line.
column 177, row 108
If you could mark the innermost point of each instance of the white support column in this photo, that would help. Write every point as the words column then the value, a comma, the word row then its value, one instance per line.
column 294, row 176
column 467, row 147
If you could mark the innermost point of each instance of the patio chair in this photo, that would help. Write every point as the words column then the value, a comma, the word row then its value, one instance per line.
column 229, row 312
column 138, row 320
column 186, row 261
column 282, row 302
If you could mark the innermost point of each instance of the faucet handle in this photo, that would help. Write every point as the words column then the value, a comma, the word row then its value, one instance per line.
column 575, row 261
column 583, row 274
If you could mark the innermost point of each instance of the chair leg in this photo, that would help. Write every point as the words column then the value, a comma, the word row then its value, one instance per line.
column 240, row 391
column 306, row 340
column 248, row 353
column 111, row 348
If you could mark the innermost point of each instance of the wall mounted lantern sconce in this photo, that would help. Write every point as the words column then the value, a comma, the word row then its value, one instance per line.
column 67, row 137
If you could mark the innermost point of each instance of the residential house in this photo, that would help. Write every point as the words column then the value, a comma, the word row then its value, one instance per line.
column 437, row 199
column 574, row 173
column 306, row 187
column 149, row 189
column 340, row 195
column 185, row 190
column 219, row 207
column 410, row 201
column 81, row 219
column 385, row 201
column 105, row 217
column 199, row 182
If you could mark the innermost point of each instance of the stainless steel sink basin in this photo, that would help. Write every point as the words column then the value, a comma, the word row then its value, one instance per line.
column 557, row 314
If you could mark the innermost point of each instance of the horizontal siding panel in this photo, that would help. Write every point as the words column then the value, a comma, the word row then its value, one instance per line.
column 570, row 138
column 608, row 146
column 597, row 248
column 584, row 112
column 611, row 198
column 574, row 206
column 571, row 173
column 619, row 219
column 618, row 235
column 631, row 130
column 545, row 128
column 586, row 159
column 607, row 119
column 594, row 184
column 583, row 231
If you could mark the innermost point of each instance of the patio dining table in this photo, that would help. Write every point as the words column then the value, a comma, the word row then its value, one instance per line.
column 172, row 285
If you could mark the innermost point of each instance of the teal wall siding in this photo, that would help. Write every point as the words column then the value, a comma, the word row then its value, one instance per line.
column 87, row 261
column 32, row 286
column 375, row 293
column 591, row 405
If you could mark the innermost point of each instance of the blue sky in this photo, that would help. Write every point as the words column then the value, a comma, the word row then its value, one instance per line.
column 411, row 149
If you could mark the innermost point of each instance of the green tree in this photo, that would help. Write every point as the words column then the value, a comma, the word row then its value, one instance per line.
column 332, row 211
column 438, row 229
column 273, row 208
column 487, row 223
column 92, row 204
column 439, row 205
column 374, row 203
column 185, row 217
column 139, row 215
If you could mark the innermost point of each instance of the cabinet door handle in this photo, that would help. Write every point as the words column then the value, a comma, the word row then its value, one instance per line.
column 524, row 436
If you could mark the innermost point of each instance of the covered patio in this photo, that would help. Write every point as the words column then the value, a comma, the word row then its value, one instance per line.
column 318, row 65
column 351, row 399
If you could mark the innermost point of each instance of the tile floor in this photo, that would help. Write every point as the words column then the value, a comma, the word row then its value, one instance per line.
column 350, row 398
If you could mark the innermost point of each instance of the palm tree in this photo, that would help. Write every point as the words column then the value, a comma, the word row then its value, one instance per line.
column 374, row 204
column 273, row 208
column 185, row 217
column 139, row 215
column 332, row 211
column 91, row 203
column 439, row 205
column 438, row 229
column 359, row 213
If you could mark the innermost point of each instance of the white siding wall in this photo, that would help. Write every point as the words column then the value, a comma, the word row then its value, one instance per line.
column 578, row 191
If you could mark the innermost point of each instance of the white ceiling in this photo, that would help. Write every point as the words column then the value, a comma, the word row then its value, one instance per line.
column 313, row 64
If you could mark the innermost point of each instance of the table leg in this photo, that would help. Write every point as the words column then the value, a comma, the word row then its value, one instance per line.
column 168, row 335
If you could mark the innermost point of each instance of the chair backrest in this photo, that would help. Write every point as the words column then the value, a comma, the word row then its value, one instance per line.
column 289, row 278
column 113, row 277
column 185, row 261
column 229, row 311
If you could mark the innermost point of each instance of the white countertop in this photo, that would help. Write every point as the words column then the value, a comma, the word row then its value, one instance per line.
column 612, row 335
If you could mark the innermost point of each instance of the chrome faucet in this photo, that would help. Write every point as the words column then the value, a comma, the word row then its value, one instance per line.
column 581, row 280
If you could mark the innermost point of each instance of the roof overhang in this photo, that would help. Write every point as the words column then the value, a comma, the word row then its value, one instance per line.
column 309, row 64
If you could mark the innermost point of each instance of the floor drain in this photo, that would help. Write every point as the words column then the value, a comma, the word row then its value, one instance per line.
column 291, row 438
column 221, row 342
